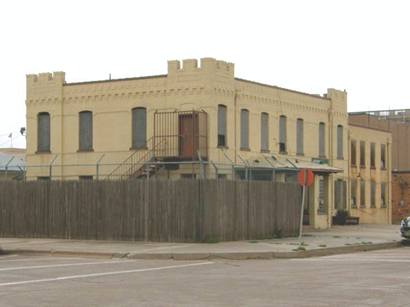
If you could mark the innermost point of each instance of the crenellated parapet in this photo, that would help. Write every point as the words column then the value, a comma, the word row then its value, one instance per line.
column 338, row 100
column 208, row 66
column 45, row 85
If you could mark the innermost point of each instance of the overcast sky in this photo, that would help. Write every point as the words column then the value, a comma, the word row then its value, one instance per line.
column 360, row 46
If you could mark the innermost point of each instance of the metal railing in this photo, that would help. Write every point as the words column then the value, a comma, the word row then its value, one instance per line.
column 134, row 165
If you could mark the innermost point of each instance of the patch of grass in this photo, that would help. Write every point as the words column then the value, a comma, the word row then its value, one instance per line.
column 304, row 244
column 277, row 234
column 211, row 239
column 348, row 244
column 307, row 235
column 299, row 248
column 322, row 245
column 253, row 241
column 336, row 237
column 293, row 243
column 366, row 242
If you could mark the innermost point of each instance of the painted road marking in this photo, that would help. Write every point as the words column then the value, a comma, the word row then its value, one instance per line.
column 34, row 281
column 61, row 265
column 40, row 258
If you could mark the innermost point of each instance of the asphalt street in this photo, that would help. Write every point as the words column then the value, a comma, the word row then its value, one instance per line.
column 379, row 278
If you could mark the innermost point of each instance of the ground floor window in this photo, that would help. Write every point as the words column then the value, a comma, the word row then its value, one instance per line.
column 340, row 194
column 353, row 192
column 362, row 193
column 383, row 195
column 322, row 206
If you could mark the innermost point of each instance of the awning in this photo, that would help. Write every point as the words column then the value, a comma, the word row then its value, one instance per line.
column 291, row 165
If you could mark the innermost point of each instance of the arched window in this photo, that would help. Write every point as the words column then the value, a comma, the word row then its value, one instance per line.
column 244, row 129
column 221, row 125
column 322, row 142
column 43, row 132
column 299, row 136
column 282, row 134
column 339, row 150
column 139, row 128
column 264, row 131
column 85, row 131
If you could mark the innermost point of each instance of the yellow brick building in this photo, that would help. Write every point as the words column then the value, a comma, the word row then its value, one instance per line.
column 202, row 121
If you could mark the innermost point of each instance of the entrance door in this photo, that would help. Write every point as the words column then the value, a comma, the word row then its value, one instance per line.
column 188, row 139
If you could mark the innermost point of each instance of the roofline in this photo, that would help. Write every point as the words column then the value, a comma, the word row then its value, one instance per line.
column 371, row 128
column 282, row 88
column 115, row 80
column 382, row 110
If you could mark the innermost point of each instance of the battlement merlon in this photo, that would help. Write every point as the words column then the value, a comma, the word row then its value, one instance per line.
column 338, row 99
column 44, row 78
column 207, row 65
column 45, row 85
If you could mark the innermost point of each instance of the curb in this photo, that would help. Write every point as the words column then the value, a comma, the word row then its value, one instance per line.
column 214, row 255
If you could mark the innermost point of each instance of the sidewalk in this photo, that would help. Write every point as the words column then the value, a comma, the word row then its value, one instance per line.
column 339, row 239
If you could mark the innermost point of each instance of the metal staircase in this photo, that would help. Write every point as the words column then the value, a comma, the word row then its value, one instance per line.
column 140, row 164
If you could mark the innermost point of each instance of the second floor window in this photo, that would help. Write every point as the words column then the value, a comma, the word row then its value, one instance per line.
column 372, row 155
column 322, row 151
column 264, row 132
column 43, row 132
column 299, row 136
column 382, row 156
column 282, row 134
column 85, row 131
column 353, row 152
column 362, row 154
column 221, row 125
column 244, row 129
column 339, row 144
column 139, row 128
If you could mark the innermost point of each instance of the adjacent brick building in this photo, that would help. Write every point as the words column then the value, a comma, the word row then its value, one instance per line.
column 398, row 123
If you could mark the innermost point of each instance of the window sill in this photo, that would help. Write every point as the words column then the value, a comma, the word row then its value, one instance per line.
column 383, row 169
column 353, row 165
column 373, row 168
column 300, row 154
column 283, row 152
column 362, row 166
column 339, row 158
column 245, row 149
column 85, row 150
column 222, row 147
column 39, row 152
column 265, row 151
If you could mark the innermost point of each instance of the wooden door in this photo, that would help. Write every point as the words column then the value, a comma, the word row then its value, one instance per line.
column 188, row 139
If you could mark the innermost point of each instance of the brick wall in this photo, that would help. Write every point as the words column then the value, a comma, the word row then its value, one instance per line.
column 400, row 195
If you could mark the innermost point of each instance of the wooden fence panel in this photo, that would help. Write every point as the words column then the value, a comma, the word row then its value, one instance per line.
column 157, row 210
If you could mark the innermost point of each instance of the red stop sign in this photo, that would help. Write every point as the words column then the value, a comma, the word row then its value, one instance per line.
column 308, row 181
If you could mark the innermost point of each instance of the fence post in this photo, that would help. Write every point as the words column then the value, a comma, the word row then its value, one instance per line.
column 97, row 167
column 146, row 208
column 50, row 171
